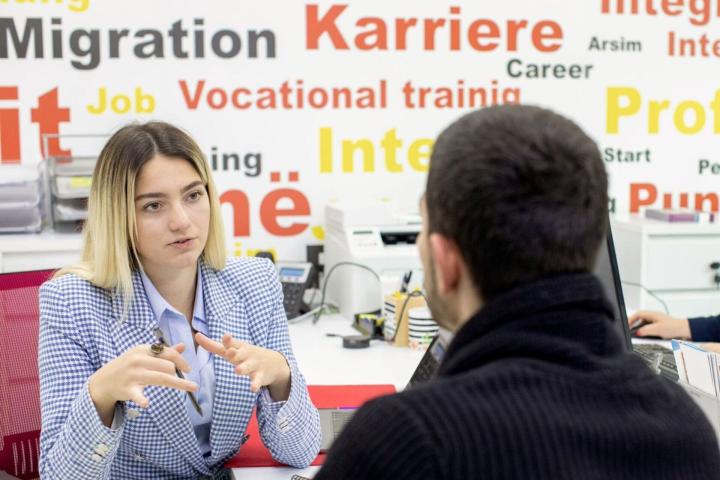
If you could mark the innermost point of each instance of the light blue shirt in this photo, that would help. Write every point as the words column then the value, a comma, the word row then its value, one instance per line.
column 177, row 329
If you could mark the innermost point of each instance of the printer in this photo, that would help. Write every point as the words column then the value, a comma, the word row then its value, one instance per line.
column 373, row 234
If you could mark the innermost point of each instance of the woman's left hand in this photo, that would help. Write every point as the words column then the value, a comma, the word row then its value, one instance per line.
column 264, row 367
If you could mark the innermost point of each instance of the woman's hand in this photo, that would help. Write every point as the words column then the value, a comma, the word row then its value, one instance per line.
column 264, row 367
column 660, row 325
column 125, row 378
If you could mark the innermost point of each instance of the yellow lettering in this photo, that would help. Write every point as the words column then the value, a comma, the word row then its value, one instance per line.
column 419, row 150
column 326, row 165
column 144, row 102
column 715, row 107
column 102, row 103
column 679, row 117
column 141, row 98
column 614, row 108
column 78, row 5
column 348, row 155
column 120, row 104
column 654, row 110
column 390, row 144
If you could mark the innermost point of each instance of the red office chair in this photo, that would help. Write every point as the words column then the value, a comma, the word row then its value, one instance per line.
column 19, row 382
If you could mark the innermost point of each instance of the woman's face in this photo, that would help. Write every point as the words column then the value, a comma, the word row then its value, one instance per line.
column 172, row 211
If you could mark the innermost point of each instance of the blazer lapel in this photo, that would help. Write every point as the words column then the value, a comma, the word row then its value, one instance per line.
column 229, row 417
column 167, row 406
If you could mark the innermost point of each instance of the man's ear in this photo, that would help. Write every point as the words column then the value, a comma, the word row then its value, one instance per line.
column 448, row 262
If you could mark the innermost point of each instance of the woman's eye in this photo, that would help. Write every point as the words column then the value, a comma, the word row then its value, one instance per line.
column 194, row 195
column 152, row 207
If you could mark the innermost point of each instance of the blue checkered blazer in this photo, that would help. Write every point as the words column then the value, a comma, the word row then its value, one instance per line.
column 81, row 329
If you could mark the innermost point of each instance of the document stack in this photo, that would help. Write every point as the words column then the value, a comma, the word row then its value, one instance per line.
column 699, row 372
column 70, row 179
column 697, row 367
column 679, row 215
column 20, row 199
column 68, row 176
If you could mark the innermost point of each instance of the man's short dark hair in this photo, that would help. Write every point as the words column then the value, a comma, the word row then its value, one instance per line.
column 522, row 191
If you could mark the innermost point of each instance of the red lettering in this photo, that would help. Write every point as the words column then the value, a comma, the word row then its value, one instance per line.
column 269, row 211
column 555, row 33
column 514, row 26
column 217, row 98
column 642, row 195
column 701, row 198
column 49, row 116
column 192, row 103
column 241, row 211
column 475, row 34
column 9, row 128
column 378, row 34
column 236, row 98
column 316, row 28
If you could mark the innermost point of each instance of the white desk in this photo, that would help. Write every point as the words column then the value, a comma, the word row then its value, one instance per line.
column 323, row 361
column 38, row 251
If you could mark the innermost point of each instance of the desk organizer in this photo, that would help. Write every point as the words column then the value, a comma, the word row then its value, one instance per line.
column 20, row 199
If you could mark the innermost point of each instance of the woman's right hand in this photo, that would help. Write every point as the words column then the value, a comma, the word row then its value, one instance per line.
column 660, row 325
column 125, row 378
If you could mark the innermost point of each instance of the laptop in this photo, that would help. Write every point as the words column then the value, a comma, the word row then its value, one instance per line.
column 333, row 420
column 660, row 359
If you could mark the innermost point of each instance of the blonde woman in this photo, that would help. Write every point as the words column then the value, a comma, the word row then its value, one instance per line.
column 154, row 272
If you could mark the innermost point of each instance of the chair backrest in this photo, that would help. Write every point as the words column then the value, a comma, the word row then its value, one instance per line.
column 19, row 380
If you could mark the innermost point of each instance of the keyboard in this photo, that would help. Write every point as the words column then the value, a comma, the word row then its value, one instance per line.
column 660, row 359
column 340, row 418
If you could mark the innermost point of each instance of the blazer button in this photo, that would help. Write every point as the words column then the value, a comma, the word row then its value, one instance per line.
column 96, row 458
column 132, row 414
column 283, row 424
column 102, row 449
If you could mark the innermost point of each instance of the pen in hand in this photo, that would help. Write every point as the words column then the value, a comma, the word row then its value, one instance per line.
column 157, row 348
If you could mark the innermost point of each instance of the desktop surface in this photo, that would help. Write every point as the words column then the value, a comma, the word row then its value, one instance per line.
column 323, row 361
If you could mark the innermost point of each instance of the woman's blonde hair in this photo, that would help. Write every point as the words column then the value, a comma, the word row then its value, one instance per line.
column 109, row 253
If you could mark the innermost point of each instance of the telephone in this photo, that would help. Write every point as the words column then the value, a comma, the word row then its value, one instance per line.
column 295, row 278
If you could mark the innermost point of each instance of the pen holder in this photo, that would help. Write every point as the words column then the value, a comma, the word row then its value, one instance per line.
column 392, row 306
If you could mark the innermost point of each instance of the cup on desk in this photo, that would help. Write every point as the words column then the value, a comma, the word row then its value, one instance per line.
column 392, row 305
column 421, row 328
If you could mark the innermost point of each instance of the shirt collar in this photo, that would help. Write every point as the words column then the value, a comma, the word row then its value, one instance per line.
column 159, row 305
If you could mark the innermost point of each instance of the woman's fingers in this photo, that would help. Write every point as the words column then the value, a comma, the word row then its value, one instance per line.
column 210, row 345
column 256, row 382
column 647, row 316
column 246, row 368
column 238, row 355
column 174, row 355
column 136, row 395
column 161, row 379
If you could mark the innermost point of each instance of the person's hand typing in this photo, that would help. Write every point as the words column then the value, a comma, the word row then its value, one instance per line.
column 266, row 368
column 660, row 325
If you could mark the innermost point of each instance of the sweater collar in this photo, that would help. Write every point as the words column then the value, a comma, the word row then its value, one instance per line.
column 564, row 319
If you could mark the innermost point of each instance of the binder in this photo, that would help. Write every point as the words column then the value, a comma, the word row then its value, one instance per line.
column 254, row 454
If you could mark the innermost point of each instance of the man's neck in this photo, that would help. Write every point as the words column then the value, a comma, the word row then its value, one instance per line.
column 465, row 304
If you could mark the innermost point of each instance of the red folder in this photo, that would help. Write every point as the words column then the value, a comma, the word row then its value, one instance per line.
column 254, row 453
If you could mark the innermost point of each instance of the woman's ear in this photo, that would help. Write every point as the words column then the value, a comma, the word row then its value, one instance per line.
column 448, row 262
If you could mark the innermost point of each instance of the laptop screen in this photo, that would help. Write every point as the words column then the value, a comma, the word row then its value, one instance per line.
column 606, row 269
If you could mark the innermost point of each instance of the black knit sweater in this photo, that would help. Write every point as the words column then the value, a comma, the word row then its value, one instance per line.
column 537, row 385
